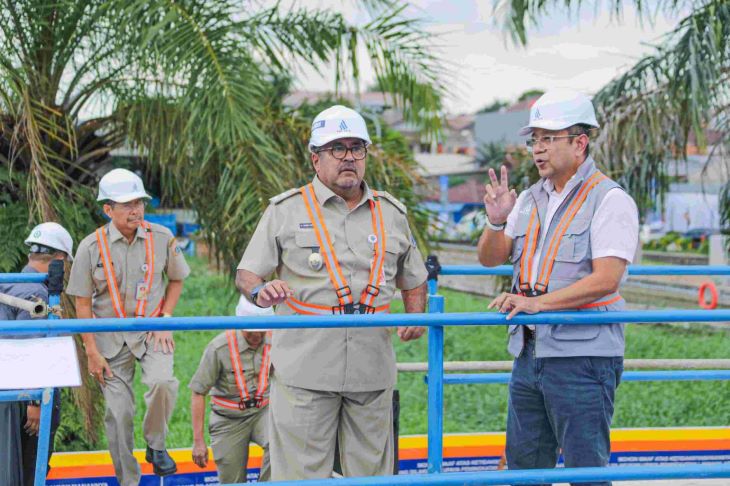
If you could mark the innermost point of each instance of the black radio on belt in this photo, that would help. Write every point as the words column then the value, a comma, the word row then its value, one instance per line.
column 353, row 309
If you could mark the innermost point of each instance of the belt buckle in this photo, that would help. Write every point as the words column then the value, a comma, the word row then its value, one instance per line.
column 349, row 309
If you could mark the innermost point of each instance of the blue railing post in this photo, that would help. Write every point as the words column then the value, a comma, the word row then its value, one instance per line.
column 55, row 287
column 435, row 372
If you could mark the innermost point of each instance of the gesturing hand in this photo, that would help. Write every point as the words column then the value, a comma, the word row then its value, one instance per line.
column 500, row 199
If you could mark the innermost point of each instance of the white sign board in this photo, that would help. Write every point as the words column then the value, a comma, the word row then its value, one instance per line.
column 38, row 363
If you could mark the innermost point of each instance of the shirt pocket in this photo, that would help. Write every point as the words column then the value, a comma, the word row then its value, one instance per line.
column 298, row 258
column 99, row 276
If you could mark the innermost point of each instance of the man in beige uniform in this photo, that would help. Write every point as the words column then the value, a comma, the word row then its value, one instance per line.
column 238, row 386
column 130, row 268
column 337, row 247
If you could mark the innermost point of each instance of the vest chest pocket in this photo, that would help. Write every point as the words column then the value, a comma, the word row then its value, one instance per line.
column 575, row 244
column 518, row 240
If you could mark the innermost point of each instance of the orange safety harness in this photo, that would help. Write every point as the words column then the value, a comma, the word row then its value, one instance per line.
column 342, row 289
column 546, row 267
column 111, row 278
column 246, row 400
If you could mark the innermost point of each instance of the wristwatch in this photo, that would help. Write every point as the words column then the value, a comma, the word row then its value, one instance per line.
column 494, row 227
column 255, row 293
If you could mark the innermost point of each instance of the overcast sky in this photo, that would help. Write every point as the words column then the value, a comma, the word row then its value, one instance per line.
column 580, row 52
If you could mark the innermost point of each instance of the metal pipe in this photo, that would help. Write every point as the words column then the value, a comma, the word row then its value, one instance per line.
column 20, row 395
column 534, row 476
column 23, row 277
column 371, row 320
column 637, row 364
column 679, row 375
column 633, row 270
column 36, row 308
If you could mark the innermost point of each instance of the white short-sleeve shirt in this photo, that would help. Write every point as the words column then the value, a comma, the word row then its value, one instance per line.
column 614, row 229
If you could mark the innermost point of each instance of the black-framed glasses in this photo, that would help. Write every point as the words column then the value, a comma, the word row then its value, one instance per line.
column 547, row 141
column 339, row 151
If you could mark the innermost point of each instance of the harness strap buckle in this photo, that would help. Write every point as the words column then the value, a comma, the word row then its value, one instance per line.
column 343, row 291
column 372, row 290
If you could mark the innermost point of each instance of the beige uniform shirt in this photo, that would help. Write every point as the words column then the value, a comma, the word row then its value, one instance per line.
column 88, row 279
column 345, row 359
column 215, row 374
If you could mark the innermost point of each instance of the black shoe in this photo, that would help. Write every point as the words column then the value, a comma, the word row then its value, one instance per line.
column 162, row 463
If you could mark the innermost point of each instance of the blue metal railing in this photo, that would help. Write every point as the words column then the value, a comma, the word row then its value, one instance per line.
column 436, row 378
column 664, row 270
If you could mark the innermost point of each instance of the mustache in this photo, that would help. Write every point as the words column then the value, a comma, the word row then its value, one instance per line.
column 348, row 167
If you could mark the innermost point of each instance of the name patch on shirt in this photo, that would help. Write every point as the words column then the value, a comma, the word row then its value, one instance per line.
column 305, row 226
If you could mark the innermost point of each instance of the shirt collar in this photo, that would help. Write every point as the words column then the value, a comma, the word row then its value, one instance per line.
column 115, row 234
column 29, row 269
column 324, row 193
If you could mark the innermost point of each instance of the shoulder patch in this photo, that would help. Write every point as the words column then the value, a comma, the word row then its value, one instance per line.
column 284, row 195
column 394, row 201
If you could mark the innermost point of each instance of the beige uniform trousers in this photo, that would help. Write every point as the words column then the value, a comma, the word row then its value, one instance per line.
column 230, row 438
column 305, row 424
column 162, row 386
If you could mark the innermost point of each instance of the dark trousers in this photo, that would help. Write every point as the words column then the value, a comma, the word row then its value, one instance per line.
column 18, row 449
column 561, row 404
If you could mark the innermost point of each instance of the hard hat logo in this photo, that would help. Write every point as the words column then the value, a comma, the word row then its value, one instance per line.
column 338, row 122
column 36, row 234
column 537, row 115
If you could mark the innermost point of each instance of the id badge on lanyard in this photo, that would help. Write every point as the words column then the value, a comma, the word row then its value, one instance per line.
column 142, row 291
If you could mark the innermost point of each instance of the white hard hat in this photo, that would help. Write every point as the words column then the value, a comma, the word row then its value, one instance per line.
column 338, row 122
column 246, row 308
column 560, row 109
column 50, row 235
column 121, row 185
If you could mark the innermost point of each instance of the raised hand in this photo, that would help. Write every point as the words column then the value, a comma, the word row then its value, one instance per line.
column 500, row 199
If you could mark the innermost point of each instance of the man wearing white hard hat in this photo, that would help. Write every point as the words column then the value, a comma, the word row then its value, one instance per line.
column 570, row 238
column 20, row 421
column 337, row 247
column 130, row 268
column 234, row 371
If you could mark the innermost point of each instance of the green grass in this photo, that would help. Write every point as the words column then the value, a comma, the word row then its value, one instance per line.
column 476, row 408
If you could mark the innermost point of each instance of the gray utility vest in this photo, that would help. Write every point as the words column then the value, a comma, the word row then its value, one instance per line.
column 563, row 261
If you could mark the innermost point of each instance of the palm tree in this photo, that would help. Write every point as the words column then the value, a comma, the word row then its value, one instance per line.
column 196, row 88
column 667, row 99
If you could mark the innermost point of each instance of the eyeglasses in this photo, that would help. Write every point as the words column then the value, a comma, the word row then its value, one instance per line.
column 546, row 141
column 339, row 151
column 131, row 205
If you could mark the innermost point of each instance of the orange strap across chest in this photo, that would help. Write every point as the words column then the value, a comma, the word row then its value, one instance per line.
column 342, row 288
column 111, row 278
column 263, row 379
column 533, row 235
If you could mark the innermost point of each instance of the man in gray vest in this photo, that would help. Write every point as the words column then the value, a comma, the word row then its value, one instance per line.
column 569, row 237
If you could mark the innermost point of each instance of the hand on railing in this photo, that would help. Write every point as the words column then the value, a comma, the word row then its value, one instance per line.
column 514, row 304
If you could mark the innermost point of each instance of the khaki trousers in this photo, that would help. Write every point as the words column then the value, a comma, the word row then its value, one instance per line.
column 305, row 424
column 230, row 438
column 157, row 375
